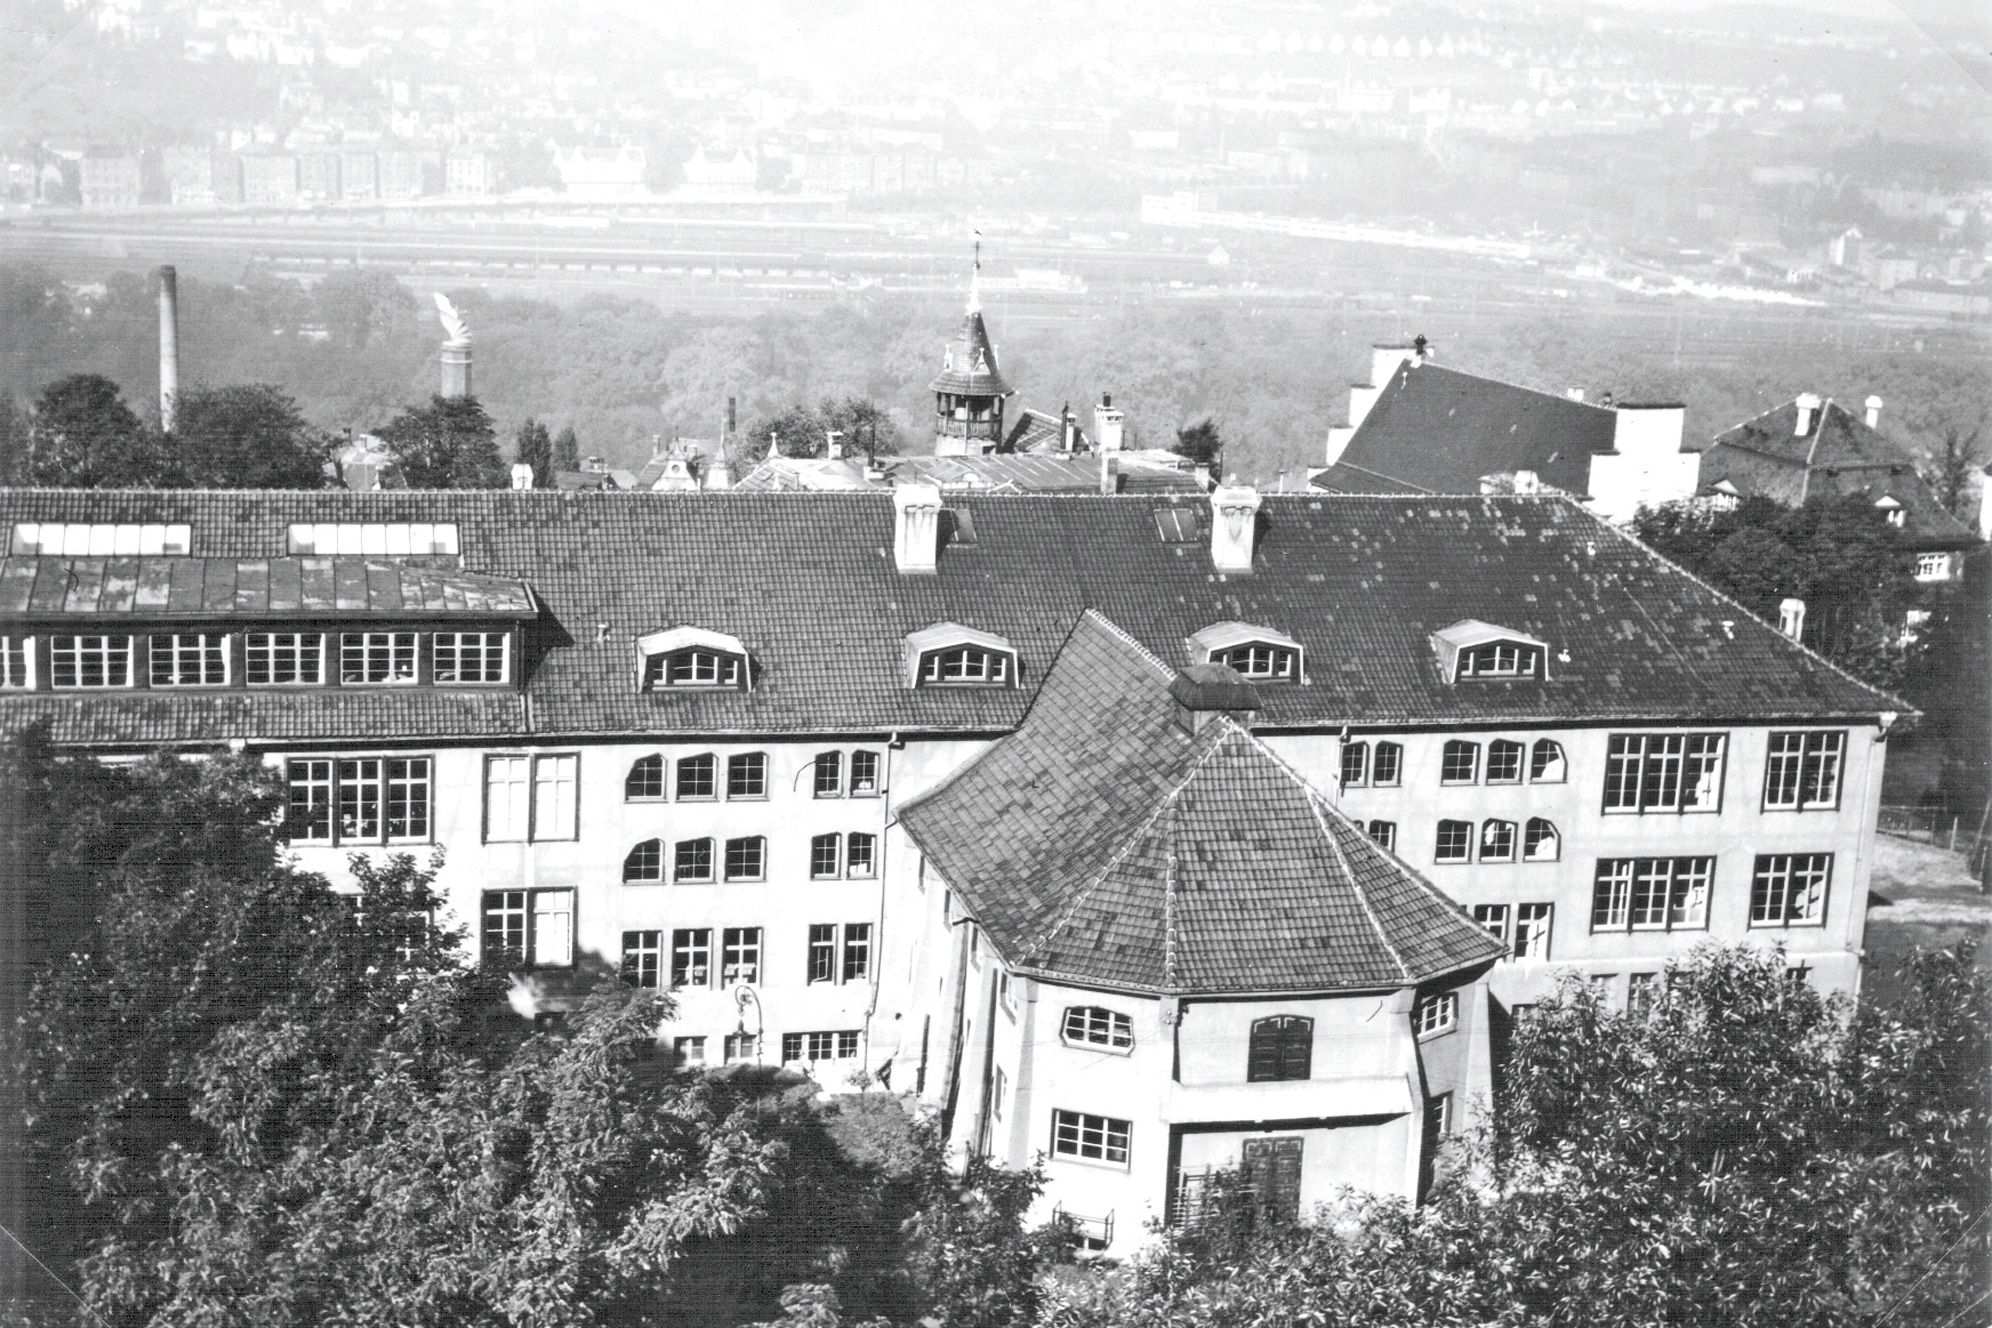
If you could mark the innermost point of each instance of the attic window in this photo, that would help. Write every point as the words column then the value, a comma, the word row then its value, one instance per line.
column 1474, row 649
column 99, row 539
column 1179, row 525
column 950, row 655
column 691, row 658
column 1259, row 654
column 1897, row 513
column 387, row 538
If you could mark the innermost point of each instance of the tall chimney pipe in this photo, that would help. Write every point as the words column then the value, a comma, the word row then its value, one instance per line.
column 169, row 348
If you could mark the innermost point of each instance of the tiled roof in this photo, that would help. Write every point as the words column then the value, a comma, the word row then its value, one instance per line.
column 970, row 367
column 1038, row 431
column 807, row 581
column 785, row 474
column 1038, row 473
column 1839, row 454
column 288, row 587
column 1101, row 842
column 1440, row 430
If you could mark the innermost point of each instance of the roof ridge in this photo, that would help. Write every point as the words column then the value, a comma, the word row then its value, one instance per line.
column 1316, row 805
column 1127, row 637
column 1902, row 706
column 1519, row 387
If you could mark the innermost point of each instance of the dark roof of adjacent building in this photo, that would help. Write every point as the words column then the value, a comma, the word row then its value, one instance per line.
column 1438, row 430
column 1039, row 473
column 1838, row 454
column 970, row 367
column 1040, row 431
column 166, row 586
column 1102, row 843
column 808, row 583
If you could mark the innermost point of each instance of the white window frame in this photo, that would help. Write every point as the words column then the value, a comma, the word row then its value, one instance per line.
column 396, row 656
column 643, row 958
column 17, row 663
column 1545, row 768
column 1535, row 924
column 1623, row 897
column 1259, row 661
column 725, row 863
column 1090, row 1139
column 1505, row 830
column 1547, row 834
column 967, row 666
column 1097, row 1028
column 100, row 648
column 1383, row 834
column 454, row 646
column 1435, row 1014
column 740, row 950
column 691, row 958
column 1395, row 778
column 348, row 773
column 1463, row 828
column 172, row 651
column 1643, row 764
column 738, row 766
column 1802, row 757
column 1508, row 747
column 265, row 652
column 543, row 790
column 1799, row 885
column 1452, row 747
column 547, row 920
column 1933, row 566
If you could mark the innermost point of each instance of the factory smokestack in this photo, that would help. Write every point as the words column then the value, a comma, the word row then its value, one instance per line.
column 169, row 348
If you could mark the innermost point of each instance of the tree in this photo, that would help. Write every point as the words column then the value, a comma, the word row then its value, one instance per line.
column 1201, row 444
column 796, row 430
column 865, row 426
column 447, row 444
column 13, row 441
column 1952, row 469
column 567, row 450
column 535, row 449
column 84, row 436
column 250, row 436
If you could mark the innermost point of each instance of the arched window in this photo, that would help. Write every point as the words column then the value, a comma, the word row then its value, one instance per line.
column 1504, row 761
column 1355, row 764
column 965, row 665
column 1282, row 1048
column 645, row 864
column 698, row 776
column 1540, row 842
column 645, row 782
column 1546, row 762
column 1461, row 763
column 1497, row 841
column 1389, row 767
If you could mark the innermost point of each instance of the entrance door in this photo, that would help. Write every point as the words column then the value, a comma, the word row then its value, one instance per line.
column 1272, row 1166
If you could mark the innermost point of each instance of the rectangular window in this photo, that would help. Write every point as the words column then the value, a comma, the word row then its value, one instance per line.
column 1664, row 772
column 742, row 1048
column 691, row 957
column 1355, row 764
column 1532, row 930
column 860, row 855
column 503, row 934
column 1078, row 1134
column 1455, row 843
column 89, row 661
column 1435, row 1014
column 746, row 858
column 531, row 927
column 692, row 860
column 1802, row 772
column 747, row 775
column 864, row 774
column 17, row 662
column 837, row 1045
column 531, row 798
column 642, row 958
column 183, row 659
column 822, row 952
column 1388, row 767
column 1497, row 841
column 1933, row 567
column 1494, row 917
column 1384, row 833
column 1460, row 763
column 857, row 951
column 1641, row 992
column 553, row 928
column 1504, row 762
column 825, row 852
column 1651, row 894
column 310, row 784
column 688, row 1053
column 698, row 777
column 377, row 799
column 470, row 657
column 371, row 658
column 829, row 774
column 556, row 801
column 277, row 659
column 1789, row 889
column 1438, row 1117
column 100, row 539
column 740, row 955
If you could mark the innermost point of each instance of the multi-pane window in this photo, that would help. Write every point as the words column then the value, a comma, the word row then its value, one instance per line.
column 864, row 774
column 645, row 780
column 1504, row 761
column 691, row 957
column 965, row 664
column 1258, row 661
column 829, row 775
column 747, row 775
column 1803, row 770
column 1460, row 762
column 1098, row 1026
column 469, row 657
column 276, row 659
column 1497, row 841
column 644, row 864
column 1789, row 889
column 1546, row 762
column 1494, row 917
column 1455, row 842
column 534, row 928
column 857, row 952
column 1933, row 567
column 837, row 1045
column 1540, row 842
column 376, row 657
column 359, row 800
column 1436, row 1013
column 17, row 662
column 1532, row 924
column 698, row 777
column 688, row 1053
column 822, row 952
column 692, row 668
column 642, row 958
column 1388, row 768
column 1660, row 772
column 188, row 659
column 1500, row 659
column 741, row 1048
column 825, row 856
column 1091, row 1138
column 1642, row 993
column 1384, row 833
column 839, row 953
column 1355, row 764
column 860, row 855
column 89, row 661
column 691, row 860
column 1282, row 1047
column 1651, row 894
column 746, row 858
column 740, row 955
column 531, row 798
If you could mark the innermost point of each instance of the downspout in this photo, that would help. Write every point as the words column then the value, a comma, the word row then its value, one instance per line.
column 878, row 868
column 988, row 1067
column 954, row 1029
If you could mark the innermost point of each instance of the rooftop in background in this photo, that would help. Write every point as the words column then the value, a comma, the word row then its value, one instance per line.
column 1131, row 853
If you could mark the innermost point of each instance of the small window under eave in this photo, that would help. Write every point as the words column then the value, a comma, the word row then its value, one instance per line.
column 948, row 654
column 692, row 659
column 1471, row 650
column 1258, row 654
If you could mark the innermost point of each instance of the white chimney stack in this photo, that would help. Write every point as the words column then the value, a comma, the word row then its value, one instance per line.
column 916, row 528
column 169, row 348
column 1874, row 412
column 1234, row 510
column 1808, row 406
column 522, row 476
column 1791, row 617
column 1107, row 424
column 1573, row 394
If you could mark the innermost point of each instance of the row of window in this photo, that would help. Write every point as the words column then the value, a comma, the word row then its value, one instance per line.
column 268, row 659
column 838, row 953
column 1281, row 1046
column 689, row 1053
column 832, row 857
column 1457, row 841
column 696, row 778
column 1666, row 894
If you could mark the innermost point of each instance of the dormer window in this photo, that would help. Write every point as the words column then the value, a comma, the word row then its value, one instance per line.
column 1474, row 649
column 691, row 658
column 1259, row 654
column 1893, row 509
column 950, row 655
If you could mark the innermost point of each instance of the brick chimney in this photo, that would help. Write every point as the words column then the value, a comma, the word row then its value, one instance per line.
column 1234, row 526
column 1203, row 692
column 1808, row 406
column 169, row 348
column 916, row 528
